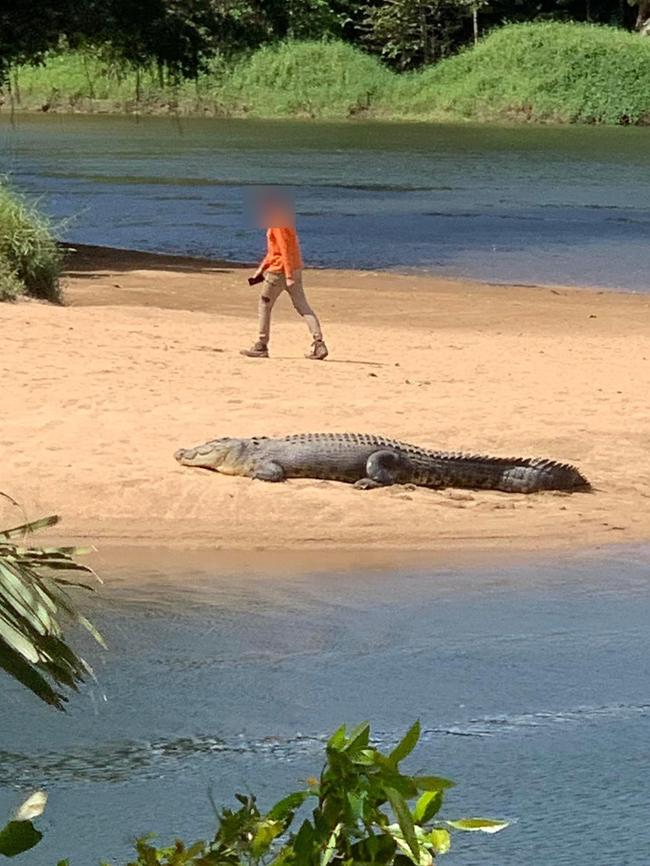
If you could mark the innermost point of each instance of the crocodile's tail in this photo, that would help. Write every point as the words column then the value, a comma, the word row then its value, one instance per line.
column 538, row 473
column 510, row 474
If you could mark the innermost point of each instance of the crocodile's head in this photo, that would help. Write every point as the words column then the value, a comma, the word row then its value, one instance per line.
column 211, row 455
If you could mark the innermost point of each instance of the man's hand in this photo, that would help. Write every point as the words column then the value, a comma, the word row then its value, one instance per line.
column 290, row 282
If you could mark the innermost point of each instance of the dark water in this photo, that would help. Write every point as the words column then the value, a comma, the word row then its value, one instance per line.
column 531, row 681
column 527, row 204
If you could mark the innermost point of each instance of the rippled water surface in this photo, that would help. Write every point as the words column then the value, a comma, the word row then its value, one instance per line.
column 526, row 204
column 531, row 682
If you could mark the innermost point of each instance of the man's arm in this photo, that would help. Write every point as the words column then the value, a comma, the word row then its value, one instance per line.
column 262, row 266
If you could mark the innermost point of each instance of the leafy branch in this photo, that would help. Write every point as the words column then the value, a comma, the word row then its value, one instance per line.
column 367, row 811
column 34, row 602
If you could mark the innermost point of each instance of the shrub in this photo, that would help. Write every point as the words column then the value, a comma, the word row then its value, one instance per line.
column 573, row 73
column 30, row 259
column 312, row 79
column 366, row 811
column 10, row 285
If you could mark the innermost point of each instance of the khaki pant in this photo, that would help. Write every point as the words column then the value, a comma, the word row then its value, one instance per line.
column 274, row 285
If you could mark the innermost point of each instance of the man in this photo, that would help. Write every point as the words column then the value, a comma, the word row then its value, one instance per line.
column 281, row 270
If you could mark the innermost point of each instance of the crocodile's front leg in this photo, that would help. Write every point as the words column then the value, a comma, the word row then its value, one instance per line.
column 268, row 470
column 384, row 468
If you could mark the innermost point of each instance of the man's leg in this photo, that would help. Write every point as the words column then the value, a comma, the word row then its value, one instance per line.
column 272, row 288
column 300, row 302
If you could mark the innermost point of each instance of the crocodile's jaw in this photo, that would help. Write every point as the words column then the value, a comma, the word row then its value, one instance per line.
column 211, row 455
column 191, row 457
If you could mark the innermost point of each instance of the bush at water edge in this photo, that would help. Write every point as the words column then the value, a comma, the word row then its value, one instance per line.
column 30, row 260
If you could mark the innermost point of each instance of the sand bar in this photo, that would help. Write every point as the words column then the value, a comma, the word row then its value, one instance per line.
column 144, row 359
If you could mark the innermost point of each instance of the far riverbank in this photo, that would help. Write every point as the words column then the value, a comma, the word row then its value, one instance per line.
column 540, row 72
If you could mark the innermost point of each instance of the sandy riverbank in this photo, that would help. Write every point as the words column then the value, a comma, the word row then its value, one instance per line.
column 144, row 359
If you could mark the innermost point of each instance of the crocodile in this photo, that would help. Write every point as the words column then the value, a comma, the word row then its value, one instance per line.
column 369, row 461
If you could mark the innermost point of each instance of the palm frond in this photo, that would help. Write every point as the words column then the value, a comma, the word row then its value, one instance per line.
column 34, row 602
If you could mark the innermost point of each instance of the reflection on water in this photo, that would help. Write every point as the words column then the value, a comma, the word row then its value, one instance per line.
column 522, row 204
column 531, row 682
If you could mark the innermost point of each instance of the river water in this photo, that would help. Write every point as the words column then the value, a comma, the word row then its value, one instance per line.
column 521, row 204
column 531, row 683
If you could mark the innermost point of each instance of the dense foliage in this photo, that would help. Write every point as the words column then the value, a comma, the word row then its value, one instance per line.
column 366, row 810
column 568, row 73
column 309, row 78
column 181, row 36
column 177, row 34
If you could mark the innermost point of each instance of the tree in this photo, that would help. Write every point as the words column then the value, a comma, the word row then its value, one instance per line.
column 412, row 33
column 180, row 35
column 642, row 23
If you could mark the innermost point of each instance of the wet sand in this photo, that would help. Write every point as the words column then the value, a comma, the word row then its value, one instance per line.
column 144, row 359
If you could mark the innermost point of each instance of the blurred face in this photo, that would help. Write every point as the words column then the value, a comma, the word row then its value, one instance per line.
column 274, row 210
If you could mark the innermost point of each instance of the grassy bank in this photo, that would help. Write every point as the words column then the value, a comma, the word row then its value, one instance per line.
column 30, row 261
column 546, row 72
column 564, row 73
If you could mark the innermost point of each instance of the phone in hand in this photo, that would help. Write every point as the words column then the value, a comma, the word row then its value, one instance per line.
column 253, row 281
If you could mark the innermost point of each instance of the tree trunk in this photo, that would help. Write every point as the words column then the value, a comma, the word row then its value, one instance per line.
column 475, row 21
column 14, row 87
column 643, row 18
column 425, row 37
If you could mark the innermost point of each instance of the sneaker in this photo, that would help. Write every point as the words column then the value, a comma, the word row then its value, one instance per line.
column 318, row 351
column 259, row 350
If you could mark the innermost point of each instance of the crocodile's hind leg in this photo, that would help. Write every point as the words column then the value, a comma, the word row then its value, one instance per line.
column 268, row 471
column 382, row 469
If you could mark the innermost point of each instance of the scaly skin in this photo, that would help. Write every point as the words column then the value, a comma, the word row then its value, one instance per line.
column 373, row 461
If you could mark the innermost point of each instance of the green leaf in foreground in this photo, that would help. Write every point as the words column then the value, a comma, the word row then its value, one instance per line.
column 440, row 840
column 478, row 825
column 405, row 821
column 427, row 806
column 406, row 745
column 359, row 738
column 432, row 783
column 17, row 837
column 330, row 848
column 285, row 807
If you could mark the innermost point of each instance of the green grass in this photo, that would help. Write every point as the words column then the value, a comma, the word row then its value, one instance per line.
column 543, row 72
column 564, row 73
column 30, row 260
column 309, row 79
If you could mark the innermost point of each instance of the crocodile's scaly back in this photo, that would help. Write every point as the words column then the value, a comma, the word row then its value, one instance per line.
column 377, row 460
column 457, row 469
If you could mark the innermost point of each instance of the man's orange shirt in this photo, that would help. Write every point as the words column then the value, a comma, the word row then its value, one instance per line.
column 282, row 251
